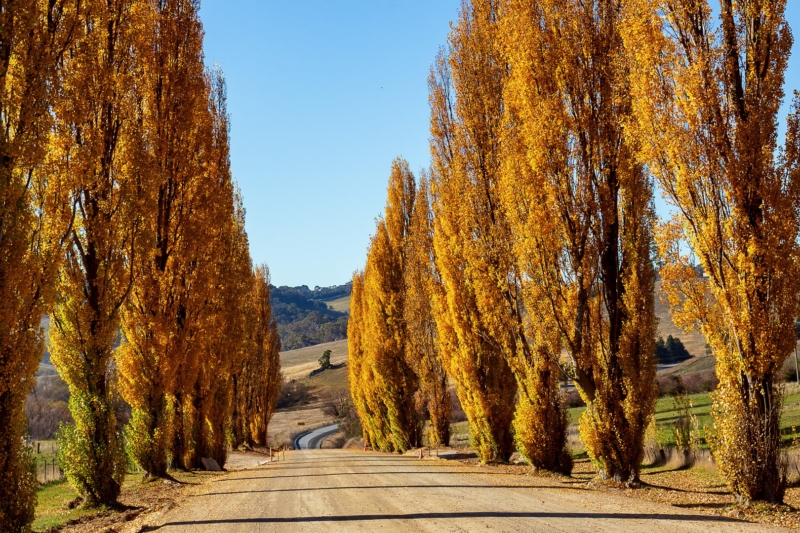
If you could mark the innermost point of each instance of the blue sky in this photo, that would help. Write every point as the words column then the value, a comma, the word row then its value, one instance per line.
column 323, row 96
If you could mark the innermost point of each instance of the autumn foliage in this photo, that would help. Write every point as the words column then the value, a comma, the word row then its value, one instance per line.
column 524, row 257
column 120, row 219
column 710, row 136
column 30, row 241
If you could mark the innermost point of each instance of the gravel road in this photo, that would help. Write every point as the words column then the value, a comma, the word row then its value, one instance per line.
column 345, row 490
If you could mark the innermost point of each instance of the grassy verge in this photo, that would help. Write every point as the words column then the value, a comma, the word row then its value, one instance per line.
column 53, row 499
column 701, row 408
column 52, row 506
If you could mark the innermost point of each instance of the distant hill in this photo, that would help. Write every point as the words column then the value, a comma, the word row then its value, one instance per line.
column 305, row 319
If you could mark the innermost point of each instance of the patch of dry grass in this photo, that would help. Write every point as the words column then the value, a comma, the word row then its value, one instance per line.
column 285, row 424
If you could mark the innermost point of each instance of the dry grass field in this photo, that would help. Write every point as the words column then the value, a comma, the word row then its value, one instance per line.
column 340, row 304
column 287, row 423
column 298, row 364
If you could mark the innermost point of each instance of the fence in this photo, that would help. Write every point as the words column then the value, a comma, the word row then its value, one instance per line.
column 45, row 454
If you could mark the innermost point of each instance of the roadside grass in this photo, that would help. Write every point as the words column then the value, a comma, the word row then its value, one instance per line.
column 52, row 501
column 666, row 414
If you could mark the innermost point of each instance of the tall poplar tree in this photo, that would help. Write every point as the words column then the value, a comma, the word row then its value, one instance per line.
column 581, row 206
column 363, row 385
column 228, row 279
column 707, row 100
column 472, row 239
column 159, row 360
column 33, row 37
column 97, row 144
column 257, row 376
column 385, row 336
column 420, row 281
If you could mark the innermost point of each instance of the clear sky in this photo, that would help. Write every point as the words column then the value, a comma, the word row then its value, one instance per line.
column 323, row 96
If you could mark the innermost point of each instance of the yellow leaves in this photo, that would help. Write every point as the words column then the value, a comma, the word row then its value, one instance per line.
column 709, row 138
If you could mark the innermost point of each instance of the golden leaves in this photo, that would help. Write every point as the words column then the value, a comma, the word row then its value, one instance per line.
column 706, row 107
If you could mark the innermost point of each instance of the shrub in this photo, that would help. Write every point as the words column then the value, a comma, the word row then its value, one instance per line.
column 294, row 393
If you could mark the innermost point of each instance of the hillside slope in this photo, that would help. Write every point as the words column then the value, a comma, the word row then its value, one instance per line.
column 305, row 319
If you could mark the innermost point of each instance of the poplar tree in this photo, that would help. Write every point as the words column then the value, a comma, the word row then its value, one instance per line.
column 34, row 215
column 267, row 376
column 385, row 336
column 363, row 385
column 472, row 240
column 257, row 377
column 159, row 360
column 224, row 336
column 228, row 276
column 707, row 100
column 581, row 208
column 97, row 143
column 420, row 281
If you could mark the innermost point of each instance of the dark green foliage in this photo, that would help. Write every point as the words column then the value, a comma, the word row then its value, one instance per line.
column 314, row 329
column 671, row 351
column 325, row 360
column 304, row 319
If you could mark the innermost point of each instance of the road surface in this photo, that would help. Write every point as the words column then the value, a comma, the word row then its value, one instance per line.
column 313, row 439
column 345, row 490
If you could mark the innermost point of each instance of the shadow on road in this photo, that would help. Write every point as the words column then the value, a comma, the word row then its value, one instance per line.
column 387, row 487
column 378, row 473
column 445, row 516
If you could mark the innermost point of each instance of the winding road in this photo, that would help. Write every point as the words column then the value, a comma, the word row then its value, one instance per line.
column 349, row 490
column 313, row 439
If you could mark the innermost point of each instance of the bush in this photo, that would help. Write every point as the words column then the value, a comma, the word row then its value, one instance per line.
column 351, row 425
column 690, row 383
column 294, row 393
column 671, row 351
column 337, row 405
column 325, row 360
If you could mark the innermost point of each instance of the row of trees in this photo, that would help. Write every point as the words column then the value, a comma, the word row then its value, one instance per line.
column 119, row 219
column 535, row 238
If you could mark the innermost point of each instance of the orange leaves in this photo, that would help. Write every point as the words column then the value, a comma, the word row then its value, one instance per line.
column 471, row 236
column 581, row 213
column 709, row 136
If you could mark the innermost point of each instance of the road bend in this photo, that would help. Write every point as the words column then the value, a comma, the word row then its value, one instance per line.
column 313, row 439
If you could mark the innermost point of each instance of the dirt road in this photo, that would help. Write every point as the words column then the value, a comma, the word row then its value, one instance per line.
column 341, row 490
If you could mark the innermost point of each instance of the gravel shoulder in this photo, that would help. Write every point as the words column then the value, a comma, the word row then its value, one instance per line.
column 346, row 490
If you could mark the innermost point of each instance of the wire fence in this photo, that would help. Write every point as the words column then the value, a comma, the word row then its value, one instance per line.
column 45, row 454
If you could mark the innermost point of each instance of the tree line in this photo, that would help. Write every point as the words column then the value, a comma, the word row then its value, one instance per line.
column 304, row 319
column 527, row 253
column 119, row 219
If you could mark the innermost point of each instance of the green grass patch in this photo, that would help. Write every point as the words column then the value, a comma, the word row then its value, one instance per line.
column 459, row 428
column 52, row 506
column 701, row 408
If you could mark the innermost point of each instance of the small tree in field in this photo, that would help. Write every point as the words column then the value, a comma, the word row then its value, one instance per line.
column 325, row 360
